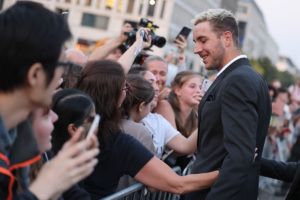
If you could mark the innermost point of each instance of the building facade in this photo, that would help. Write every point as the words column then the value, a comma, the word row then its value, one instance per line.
column 92, row 20
column 255, row 39
column 286, row 64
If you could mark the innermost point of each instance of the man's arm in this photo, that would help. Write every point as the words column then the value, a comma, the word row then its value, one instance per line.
column 278, row 170
column 239, row 122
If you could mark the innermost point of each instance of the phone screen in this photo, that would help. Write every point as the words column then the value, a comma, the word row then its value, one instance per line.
column 94, row 126
column 185, row 31
column 205, row 85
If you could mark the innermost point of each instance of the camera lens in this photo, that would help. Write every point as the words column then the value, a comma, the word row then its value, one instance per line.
column 158, row 41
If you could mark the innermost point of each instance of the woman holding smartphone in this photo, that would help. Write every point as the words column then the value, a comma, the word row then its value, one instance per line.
column 74, row 109
column 59, row 173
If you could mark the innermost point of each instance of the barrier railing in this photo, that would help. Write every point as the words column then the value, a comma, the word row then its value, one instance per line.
column 139, row 191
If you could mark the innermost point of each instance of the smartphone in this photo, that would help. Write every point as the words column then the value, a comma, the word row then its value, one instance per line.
column 94, row 126
column 205, row 85
column 185, row 31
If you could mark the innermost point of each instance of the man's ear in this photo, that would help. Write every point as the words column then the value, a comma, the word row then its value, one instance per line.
column 35, row 73
column 228, row 39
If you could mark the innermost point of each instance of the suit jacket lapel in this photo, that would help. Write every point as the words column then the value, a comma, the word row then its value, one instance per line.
column 234, row 65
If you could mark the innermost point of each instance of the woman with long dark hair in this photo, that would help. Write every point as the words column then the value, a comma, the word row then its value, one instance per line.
column 120, row 153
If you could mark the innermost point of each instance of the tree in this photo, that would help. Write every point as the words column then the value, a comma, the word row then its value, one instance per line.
column 265, row 67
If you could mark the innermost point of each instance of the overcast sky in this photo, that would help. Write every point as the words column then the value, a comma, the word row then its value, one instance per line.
column 283, row 22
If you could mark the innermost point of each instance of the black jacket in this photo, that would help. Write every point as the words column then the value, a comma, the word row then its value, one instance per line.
column 288, row 172
column 234, row 116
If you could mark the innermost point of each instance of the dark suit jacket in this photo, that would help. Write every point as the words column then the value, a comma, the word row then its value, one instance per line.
column 234, row 116
column 288, row 172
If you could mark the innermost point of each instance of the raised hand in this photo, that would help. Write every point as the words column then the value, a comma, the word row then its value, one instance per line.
column 73, row 163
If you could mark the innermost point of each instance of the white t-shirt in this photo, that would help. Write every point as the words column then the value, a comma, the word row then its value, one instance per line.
column 162, row 131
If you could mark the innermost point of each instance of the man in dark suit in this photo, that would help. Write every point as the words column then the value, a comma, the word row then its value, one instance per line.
column 234, row 113
column 288, row 172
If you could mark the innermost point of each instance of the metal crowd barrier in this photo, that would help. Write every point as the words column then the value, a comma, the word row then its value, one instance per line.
column 140, row 192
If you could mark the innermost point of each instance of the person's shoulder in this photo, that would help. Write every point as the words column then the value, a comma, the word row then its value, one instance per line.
column 164, row 102
column 150, row 117
column 125, row 142
column 129, row 124
column 123, row 138
column 120, row 142
column 133, row 128
column 163, row 107
column 126, row 125
column 158, row 117
column 158, row 122
column 244, row 73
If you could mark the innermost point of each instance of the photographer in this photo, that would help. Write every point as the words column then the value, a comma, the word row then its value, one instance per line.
column 127, row 58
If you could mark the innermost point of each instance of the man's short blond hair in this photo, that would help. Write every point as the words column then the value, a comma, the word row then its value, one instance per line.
column 221, row 20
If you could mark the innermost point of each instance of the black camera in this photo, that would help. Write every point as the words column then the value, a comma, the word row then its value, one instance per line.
column 158, row 41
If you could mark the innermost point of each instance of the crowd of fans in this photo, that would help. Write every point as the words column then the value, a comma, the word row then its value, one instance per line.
column 282, row 141
column 147, row 115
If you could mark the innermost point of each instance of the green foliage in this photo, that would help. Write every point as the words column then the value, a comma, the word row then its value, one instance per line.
column 286, row 78
column 270, row 72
